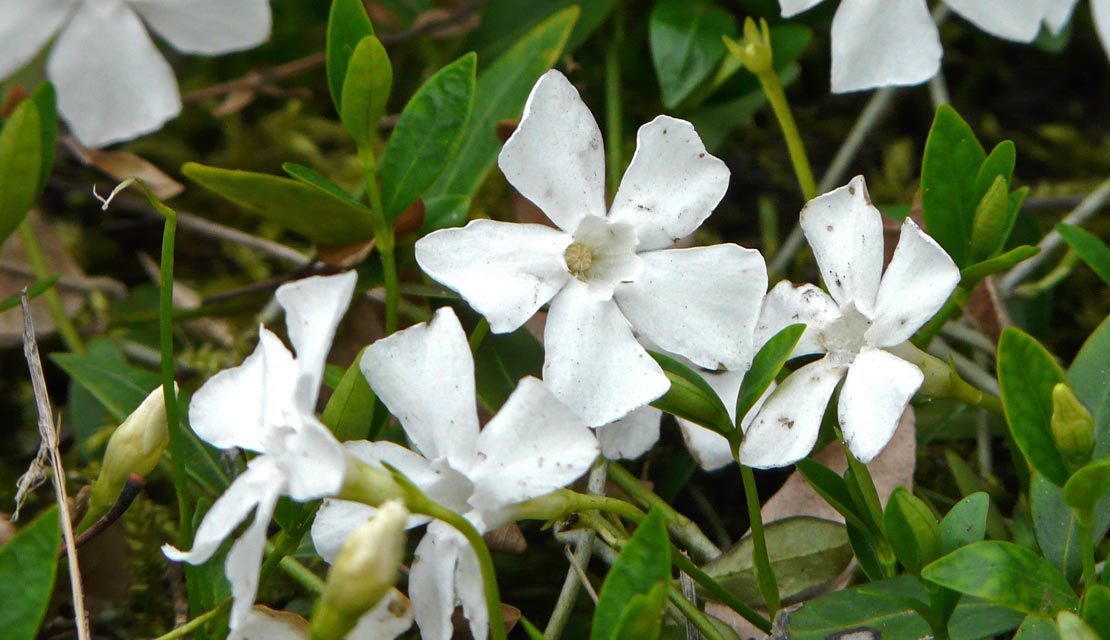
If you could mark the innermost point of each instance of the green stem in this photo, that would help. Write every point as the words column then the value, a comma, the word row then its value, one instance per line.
column 765, row 575
column 694, row 615
column 1087, row 551
column 682, row 528
column 1058, row 274
column 196, row 623
column 302, row 574
column 779, row 104
column 383, row 236
column 706, row 581
column 614, row 148
column 53, row 301
column 479, row 334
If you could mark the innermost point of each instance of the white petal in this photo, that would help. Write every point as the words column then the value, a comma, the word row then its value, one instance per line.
column 709, row 448
column 1100, row 13
column 313, row 308
column 425, row 375
column 263, row 622
column 432, row 581
column 612, row 247
column 113, row 84
column 875, row 393
column 631, row 436
column 919, row 279
column 1058, row 13
column 208, row 26
column 470, row 590
column 555, row 157
column 701, row 303
column 443, row 484
column 25, row 27
column 1019, row 21
column 787, row 304
column 593, row 363
column 786, row 428
column 533, row 446
column 244, row 560
column 313, row 461
column 846, row 233
column 878, row 43
column 794, row 7
column 391, row 617
column 505, row 271
column 335, row 520
column 671, row 186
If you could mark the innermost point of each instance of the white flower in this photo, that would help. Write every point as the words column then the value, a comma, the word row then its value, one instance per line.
column 1058, row 14
column 868, row 312
column 606, row 274
column 266, row 405
column 533, row 446
column 113, row 83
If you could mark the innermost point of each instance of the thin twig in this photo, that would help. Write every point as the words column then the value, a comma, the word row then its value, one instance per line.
column 48, row 433
column 582, row 553
column 131, row 490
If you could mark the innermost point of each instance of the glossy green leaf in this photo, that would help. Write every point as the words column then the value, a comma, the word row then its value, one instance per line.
column 1037, row 628
column 366, row 90
column 969, row 276
column 949, row 168
column 1096, row 608
column 1006, row 574
column 691, row 397
column 28, row 563
column 46, row 99
column 830, row 486
column 643, row 563
column 806, row 553
column 1087, row 486
column 500, row 94
column 350, row 409
column 310, row 178
column 427, row 135
column 965, row 522
column 1073, row 627
column 999, row 163
column 992, row 221
column 441, row 212
column 642, row 618
column 20, row 165
column 686, row 46
column 348, row 24
column 766, row 365
column 911, row 530
column 1088, row 375
column 1090, row 248
column 1026, row 375
column 1057, row 528
column 308, row 210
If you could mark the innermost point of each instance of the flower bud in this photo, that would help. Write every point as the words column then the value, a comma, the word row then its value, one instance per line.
column 754, row 49
column 363, row 572
column 1073, row 429
column 135, row 447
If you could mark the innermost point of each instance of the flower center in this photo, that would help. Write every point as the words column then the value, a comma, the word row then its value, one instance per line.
column 579, row 259
column 844, row 337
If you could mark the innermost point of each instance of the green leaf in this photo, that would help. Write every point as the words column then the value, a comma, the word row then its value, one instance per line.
column 502, row 361
column 350, row 409
column 965, row 523
column 1088, row 375
column 643, row 563
column 533, row 632
column 348, row 24
column 690, row 397
column 992, row 221
column 949, row 168
column 366, row 89
column 642, row 618
column 28, row 563
column 506, row 21
column 1006, row 574
column 310, row 178
column 1089, row 247
column 441, row 212
column 1036, row 628
column 830, row 486
column 765, row 367
column 1096, row 609
column 806, row 553
column 46, row 99
column 1026, row 375
column 501, row 92
column 1073, row 627
column 311, row 211
column 1087, row 486
column 33, row 292
column 427, row 134
column 911, row 530
column 20, row 165
column 998, row 164
column 971, row 275
column 1057, row 528
column 686, row 46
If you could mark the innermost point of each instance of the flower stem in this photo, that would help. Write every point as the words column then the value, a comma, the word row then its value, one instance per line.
column 705, row 581
column 479, row 334
column 383, row 236
column 765, row 575
column 53, row 301
column 1058, row 274
column 781, row 107
column 196, row 623
column 694, row 614
column 614, row 146
column 572, row 584
column 682, row 528
column 1087, row 551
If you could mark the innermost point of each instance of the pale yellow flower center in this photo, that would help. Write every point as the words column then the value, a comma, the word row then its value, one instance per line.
column 579, row 258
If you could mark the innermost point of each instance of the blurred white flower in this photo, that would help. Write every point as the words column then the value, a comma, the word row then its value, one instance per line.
column 113, row 83
column 267, row 405
column 865, row 312
column 1059, row 12
column 533, row 446
column 606, row 273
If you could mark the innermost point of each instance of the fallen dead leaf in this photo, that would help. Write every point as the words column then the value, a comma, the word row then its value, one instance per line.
column 122, row 165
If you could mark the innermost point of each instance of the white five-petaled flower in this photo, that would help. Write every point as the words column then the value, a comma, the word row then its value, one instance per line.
column 606, row 273
column 533, row 446
column 113, row 83
column 267, row 405
column 865, row 312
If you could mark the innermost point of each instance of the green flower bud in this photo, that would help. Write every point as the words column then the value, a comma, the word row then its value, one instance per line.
column 363, row 572
column 754, row 49
column 1073, row 429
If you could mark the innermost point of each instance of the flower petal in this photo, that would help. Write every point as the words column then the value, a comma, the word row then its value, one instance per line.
column 505, row 271
column 263, row 622
column 1058, row 13
column 786, row 428
column 555, row 157
column 113, row 84
column 846, row 233
column 878, row 44
column 335, row 520
column 1018, row 21
column 794, row 7
column 631, row 436
column 709, row 448
column 919, row 279
column 244, row 560
column 701, row 303
column 671, row 186
column 26, row 27
column 313, row 308
column 533, row 446
column 208, row 26
column 391, row 617
column 594, row 365
column 425, row 375
column 443, row 484
column 432, row 581
column 788, row 304
column 1100, row 14
column 875, row 393
column 313, row 461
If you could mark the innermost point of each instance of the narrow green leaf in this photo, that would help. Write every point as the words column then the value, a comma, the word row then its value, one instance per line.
column 33, row 292
column 46, row 99
column 830, row 486
column 441, row 212
column 1006, row 574
column 686, row 46
column 965, row 522
column 1089, row 247
column 766, row 365
column 28, row 563
column 691, row 397
column 642, row 564
column 350, row 409
column 911, row 530
column 308, row 210
column 1026, row 375
column 642, row 618
column 20, row 165
column 506, row 21
column 971, row 275
column 1096, row 608
column 991, row 222
column 1088, row 375
column 427, row 135
column 533, row 632
column 949, row 168
column 310, row 178
column 999, row 163
column 348, row 24
column 366, row 90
